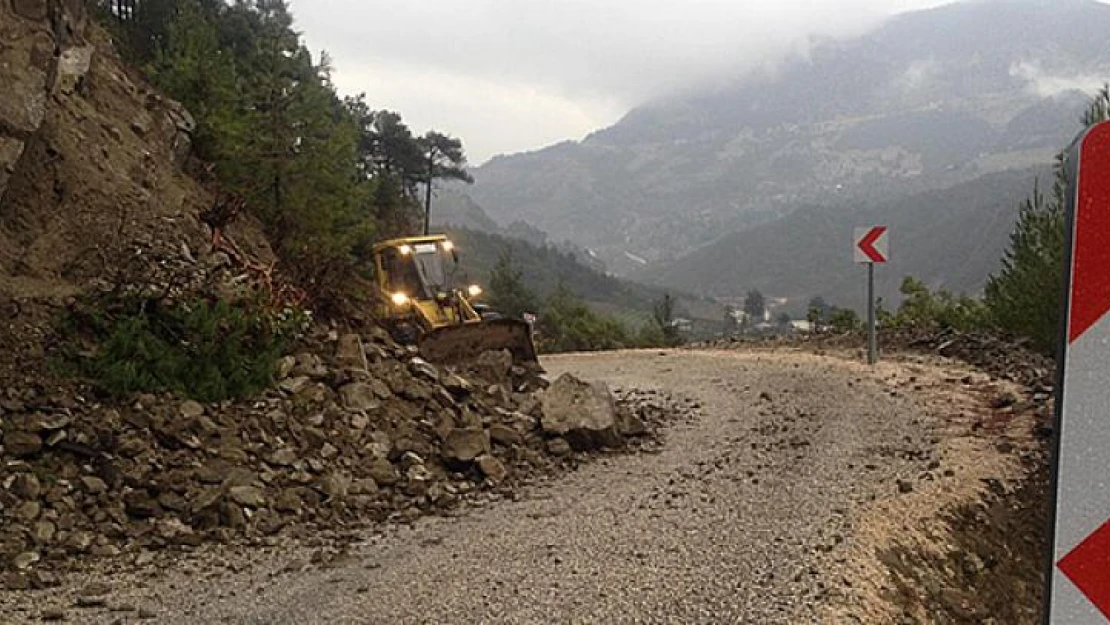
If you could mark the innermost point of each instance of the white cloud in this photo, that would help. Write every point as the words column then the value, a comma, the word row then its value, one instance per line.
column 507, row 75
column 1047, row 85
column 489, row 116
column 919, row 74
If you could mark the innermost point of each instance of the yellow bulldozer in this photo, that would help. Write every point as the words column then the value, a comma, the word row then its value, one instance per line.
column 421, row 304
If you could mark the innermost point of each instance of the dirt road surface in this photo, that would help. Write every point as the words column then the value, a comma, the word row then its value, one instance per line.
column 770, row 507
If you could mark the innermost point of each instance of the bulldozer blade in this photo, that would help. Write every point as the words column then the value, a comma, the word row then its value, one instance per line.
column 459, row 343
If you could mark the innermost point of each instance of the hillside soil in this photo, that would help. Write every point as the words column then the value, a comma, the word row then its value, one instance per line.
column 805, row 488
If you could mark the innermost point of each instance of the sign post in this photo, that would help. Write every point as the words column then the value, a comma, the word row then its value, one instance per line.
column 872, row 246
column 1079, row 577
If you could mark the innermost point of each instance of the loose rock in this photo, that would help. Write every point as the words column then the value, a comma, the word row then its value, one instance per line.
column 492, row 468
column 465, row 444
column 22, row 444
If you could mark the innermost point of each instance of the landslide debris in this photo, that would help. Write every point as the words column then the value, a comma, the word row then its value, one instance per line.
column 337, row 443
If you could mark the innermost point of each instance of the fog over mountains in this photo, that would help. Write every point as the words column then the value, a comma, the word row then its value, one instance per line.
column 928, row 101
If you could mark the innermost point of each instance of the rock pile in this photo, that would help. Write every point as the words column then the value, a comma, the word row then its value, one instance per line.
column 1008, row 359
column 359, row 429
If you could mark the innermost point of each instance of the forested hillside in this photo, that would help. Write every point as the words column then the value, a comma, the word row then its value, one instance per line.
column 326, row 175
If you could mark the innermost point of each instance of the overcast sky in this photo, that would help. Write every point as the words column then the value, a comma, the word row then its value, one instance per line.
column 513, row 75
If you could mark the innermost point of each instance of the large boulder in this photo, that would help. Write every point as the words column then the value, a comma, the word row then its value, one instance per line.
column 359, row 396
column 583, row 413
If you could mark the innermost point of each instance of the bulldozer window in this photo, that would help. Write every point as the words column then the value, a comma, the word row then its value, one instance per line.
column 432, row 270
column 401, row 274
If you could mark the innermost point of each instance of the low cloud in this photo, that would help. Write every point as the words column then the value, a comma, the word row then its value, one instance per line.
column 537, row 70
column 919, row 75
column 1047, row 84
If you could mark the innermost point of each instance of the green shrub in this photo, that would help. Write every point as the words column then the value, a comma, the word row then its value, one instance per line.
column 923, row 308
column 1024, row 295
column 844, row 320
column 651, row 334
column 209, row 350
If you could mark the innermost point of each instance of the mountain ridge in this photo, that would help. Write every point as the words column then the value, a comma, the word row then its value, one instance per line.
column 929, row 100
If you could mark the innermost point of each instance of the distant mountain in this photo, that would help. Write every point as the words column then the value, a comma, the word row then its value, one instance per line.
column 452, row 209
column 950, row 238
column 928, row 100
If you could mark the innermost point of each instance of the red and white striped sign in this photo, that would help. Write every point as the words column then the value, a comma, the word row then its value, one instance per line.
column 872, row 245
column 1080, row 581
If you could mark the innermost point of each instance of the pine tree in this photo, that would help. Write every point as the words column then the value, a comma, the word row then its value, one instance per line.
column 1024, row 296
column 389, row 159
column 194, row 69
column 444, row 159
column 664, row 316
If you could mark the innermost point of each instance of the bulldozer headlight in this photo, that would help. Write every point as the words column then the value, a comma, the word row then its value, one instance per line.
column 474, row 290
column 400, row 299
column 448, row 246
column 405, row 250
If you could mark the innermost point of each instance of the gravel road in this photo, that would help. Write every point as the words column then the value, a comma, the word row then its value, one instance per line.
column 748, row 514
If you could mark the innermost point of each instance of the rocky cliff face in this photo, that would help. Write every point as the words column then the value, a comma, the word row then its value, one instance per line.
column 93, row 192
column 89, row 156
column 42, row 50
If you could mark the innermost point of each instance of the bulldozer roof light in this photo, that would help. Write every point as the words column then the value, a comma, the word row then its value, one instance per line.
column 474, row 290
column 405, row 249
column 400, row 299
column 448, row 246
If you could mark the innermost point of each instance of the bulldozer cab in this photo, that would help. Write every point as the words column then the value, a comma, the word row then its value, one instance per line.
column 415, row 278
column 419, row 270
column 418, row 300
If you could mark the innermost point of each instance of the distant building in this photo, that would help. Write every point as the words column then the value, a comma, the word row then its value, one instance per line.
column 681, row 324
column 801, row 325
